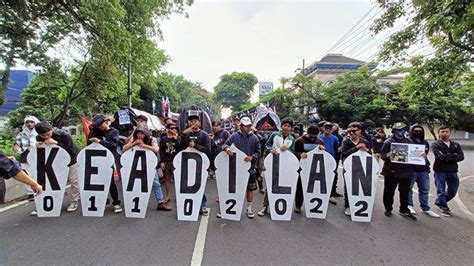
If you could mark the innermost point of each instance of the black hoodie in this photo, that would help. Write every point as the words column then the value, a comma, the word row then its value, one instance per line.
column 421, row 141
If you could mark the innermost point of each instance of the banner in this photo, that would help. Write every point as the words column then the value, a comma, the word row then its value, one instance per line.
column 190, row 182
column 408, row 153
column 138, row 171
column 360, row 175
column 317, row 176
column 281, row 177
column 94, row 172
column 232, row 176
column 48, row 166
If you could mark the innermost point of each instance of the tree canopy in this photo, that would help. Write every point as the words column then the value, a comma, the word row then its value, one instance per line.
column 234, row 90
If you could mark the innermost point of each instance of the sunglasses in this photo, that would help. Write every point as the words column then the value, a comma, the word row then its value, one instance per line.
column 171, row 128
column 351, row 131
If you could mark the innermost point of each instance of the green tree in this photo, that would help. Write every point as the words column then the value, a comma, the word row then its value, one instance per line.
column 353, row 97
column 116, row 31
column 234, row 90
column 436, row 91
column 440, row 21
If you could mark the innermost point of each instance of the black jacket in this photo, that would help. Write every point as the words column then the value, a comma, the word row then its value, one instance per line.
column 64, row 141
column 422, row 141
column 377, row 143
column 397, row 170
column 348, row 147
column 201, row 140
column 169, row 147
column 108, row 138
column 8, row 168
column 218, row 141
column 446, row 158
column 304, row 144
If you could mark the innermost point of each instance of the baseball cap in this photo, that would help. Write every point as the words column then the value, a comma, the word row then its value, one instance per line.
column 245, row 121
column 193, row 114
column 399, row 125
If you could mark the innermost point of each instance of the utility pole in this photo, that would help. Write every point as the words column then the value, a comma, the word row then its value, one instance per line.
column 129, row 89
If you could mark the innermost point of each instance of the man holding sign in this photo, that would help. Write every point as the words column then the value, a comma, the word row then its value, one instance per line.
column 246, row 141
column 396, row 174
column 48, row 135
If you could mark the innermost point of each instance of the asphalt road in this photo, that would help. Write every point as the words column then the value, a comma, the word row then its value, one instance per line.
column 161, row 239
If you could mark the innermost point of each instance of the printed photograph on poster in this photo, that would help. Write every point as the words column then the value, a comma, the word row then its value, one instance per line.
column 408, row 153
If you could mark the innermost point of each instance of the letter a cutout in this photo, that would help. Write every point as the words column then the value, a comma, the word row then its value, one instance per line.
column 138, row 171
column 317, row 176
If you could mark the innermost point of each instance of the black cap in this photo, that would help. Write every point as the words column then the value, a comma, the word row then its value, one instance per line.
column 321, row 123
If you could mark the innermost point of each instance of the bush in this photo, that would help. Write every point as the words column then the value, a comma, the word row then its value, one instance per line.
column 6, row 144
column 79, row 140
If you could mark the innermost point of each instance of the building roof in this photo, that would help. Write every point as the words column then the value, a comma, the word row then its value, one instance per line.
column 339, row 58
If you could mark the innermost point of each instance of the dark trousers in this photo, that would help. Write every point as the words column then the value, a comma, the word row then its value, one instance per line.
column 391, row 183
column 299, row 193
column 114, row 192
column 334, row 184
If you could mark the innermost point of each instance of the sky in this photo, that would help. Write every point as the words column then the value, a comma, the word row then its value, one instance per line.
column 267, row 38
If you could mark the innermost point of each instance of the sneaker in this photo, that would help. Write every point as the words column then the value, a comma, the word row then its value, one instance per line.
column 33, row 213
column 388, row 213
column 347, row 211
column 262, row 191
column 298, row 210
column 117, row 209
column 431, row 214
column 163, row 207
column 250, row 213
column 262, row 212
column 446, row 212
column 408, row 215
column 412, row 210
column 333, row 200
column 73, row 206
column 204, row 212
column 337, row 195
column 218, row 215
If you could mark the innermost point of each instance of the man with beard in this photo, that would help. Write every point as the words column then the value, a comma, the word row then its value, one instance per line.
column 396, row 174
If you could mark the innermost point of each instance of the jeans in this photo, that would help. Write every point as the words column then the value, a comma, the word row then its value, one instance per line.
column 447, row 185
column 157, row 188
column 204, row 202
column 422, row 180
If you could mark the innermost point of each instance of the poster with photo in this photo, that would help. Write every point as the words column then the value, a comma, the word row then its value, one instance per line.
column 408, row 153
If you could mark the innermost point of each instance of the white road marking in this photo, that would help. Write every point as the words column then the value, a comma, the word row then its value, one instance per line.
column 13, row 205
column 20, row 203
column 200, row 240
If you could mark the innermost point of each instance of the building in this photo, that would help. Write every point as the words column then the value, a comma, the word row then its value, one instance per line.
column 18, row 82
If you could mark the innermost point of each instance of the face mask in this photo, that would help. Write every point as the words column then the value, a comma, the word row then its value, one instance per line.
column 399, row 133
column 417, row 134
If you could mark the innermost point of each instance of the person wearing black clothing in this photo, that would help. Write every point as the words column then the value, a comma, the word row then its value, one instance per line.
column 447, row 155
column 102, row 133
column 217, row 139
column 10, row 168
column 303, row 145
column 48, row 135
column 396, row 174
column 169, row 147
column 351, row 144
column 194, row 137
column 340, row 138
column 377, row 142
column 421, row 174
